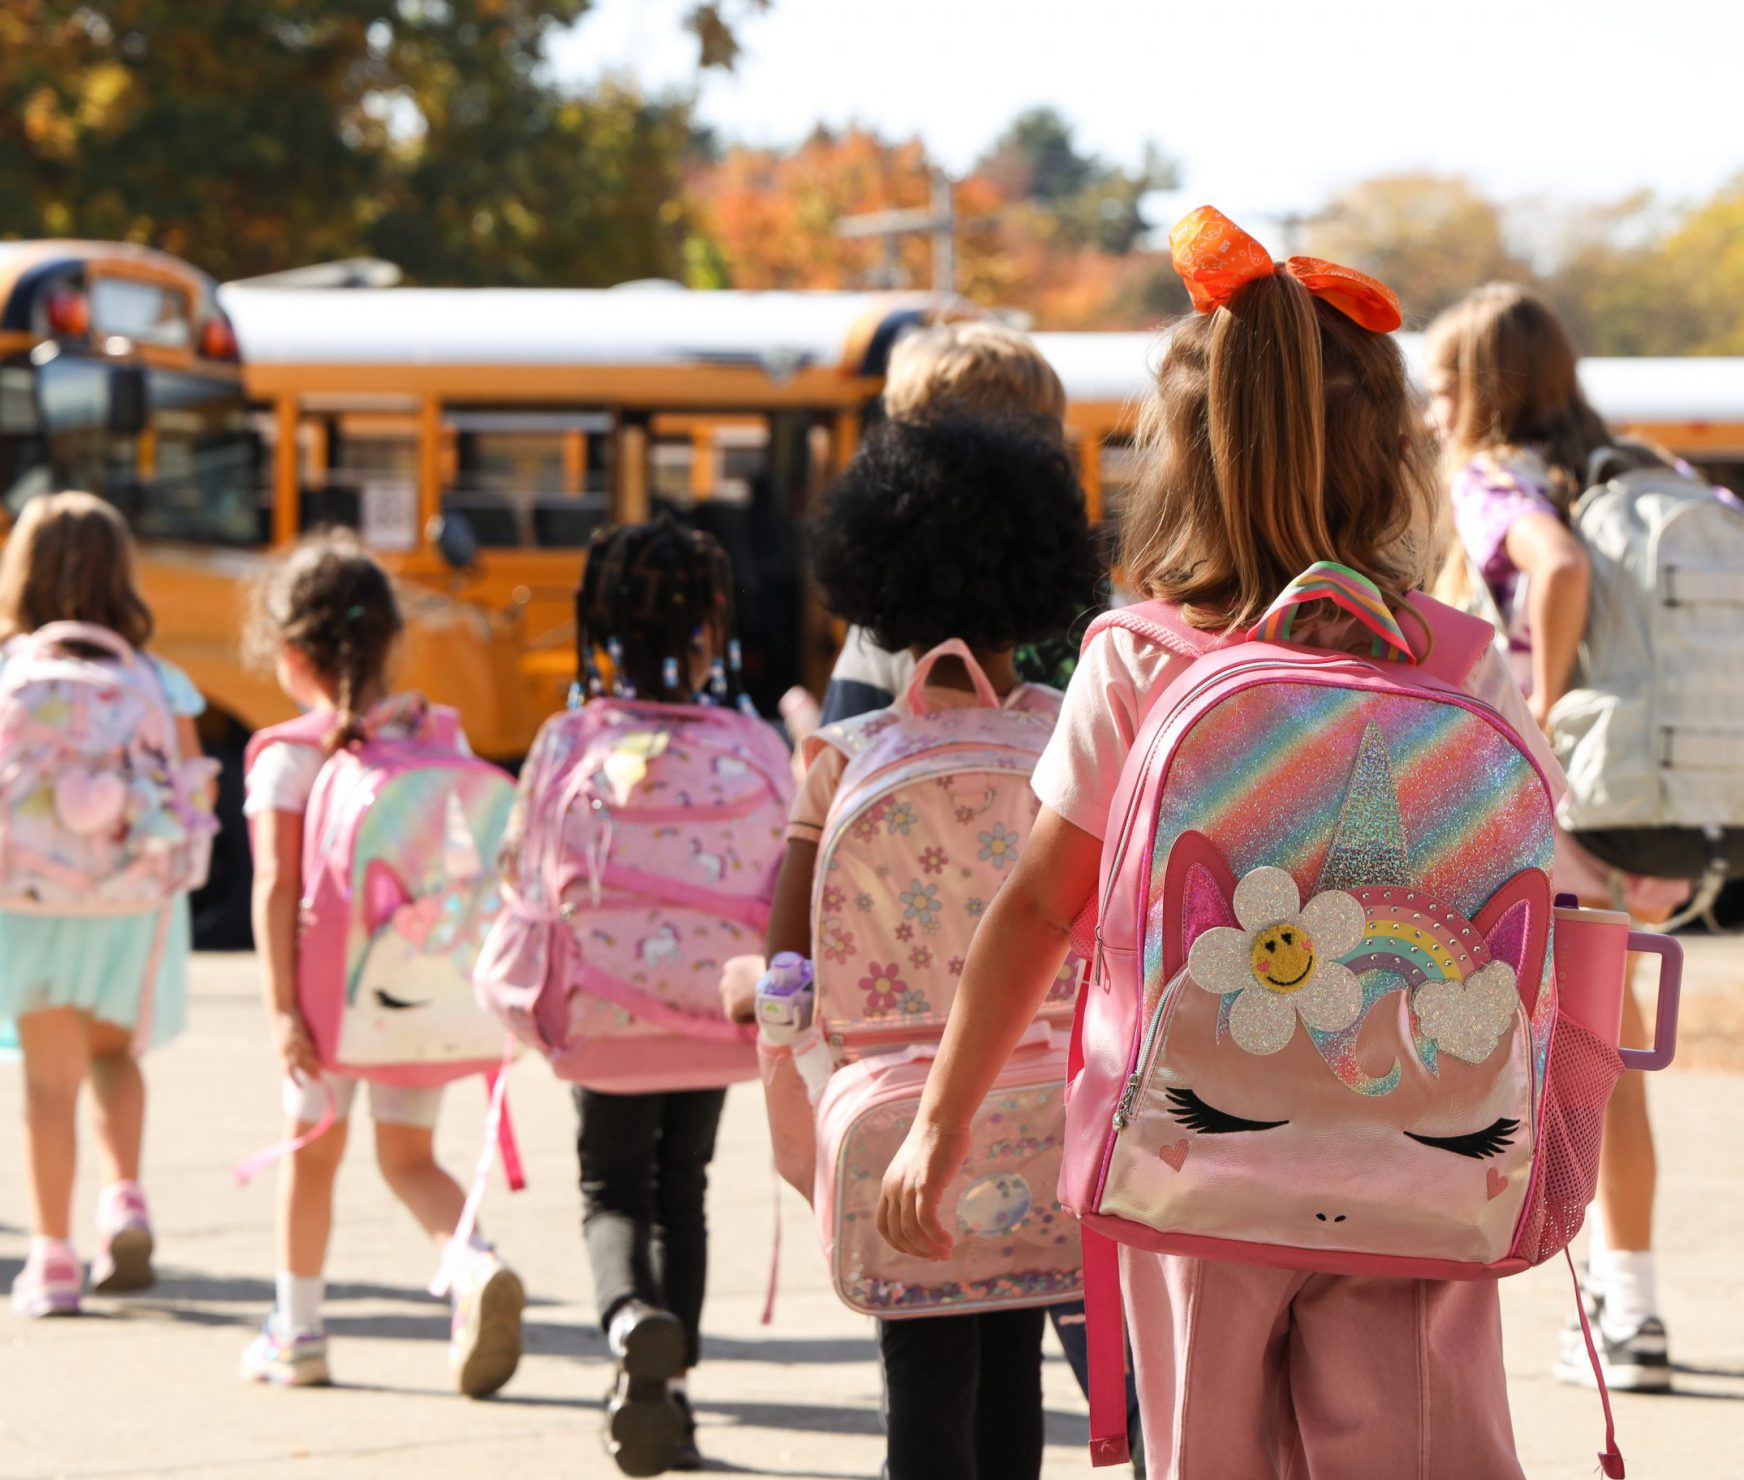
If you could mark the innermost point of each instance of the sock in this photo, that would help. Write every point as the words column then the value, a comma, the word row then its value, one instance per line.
column 299, row 1302
column 1630, row 1289
column 42, row 1247
column 1597, row 1249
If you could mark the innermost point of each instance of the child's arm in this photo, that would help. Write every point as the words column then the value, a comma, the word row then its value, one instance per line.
column 277, row 839
column 1014, row 957
column 790, row 910
column 1556, row 571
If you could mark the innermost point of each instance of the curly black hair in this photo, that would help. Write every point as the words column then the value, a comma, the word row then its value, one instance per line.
column 956, row 526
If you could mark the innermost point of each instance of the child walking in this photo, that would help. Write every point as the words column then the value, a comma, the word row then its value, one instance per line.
column 1281, row 433
column 74, row 987
column 941, row 528
column 325, row 620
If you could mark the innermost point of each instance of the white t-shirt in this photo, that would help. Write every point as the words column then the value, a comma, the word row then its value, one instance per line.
column 1121, row 674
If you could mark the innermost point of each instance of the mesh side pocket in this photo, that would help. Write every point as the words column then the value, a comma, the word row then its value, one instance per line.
column 1584, row 1069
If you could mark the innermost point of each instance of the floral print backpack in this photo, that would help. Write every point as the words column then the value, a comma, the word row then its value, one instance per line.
column 932, row 812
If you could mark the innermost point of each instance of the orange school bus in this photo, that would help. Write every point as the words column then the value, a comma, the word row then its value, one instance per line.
column 477, row 437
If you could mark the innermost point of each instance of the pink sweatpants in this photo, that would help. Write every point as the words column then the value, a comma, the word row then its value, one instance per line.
column 1266, row 1374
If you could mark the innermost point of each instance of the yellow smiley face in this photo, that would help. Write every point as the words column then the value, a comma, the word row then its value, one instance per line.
column 1283, row 957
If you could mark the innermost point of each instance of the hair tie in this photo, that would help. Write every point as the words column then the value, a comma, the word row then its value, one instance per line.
column 1216, row 259
column 354, row 613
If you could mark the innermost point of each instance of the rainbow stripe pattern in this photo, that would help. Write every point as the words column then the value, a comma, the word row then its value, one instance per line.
column 1351, row 592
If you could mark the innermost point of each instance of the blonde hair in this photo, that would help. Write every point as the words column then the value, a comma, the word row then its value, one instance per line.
column 1512, row 369
column 1280, row 433
column 977, row 366
column 70, row 559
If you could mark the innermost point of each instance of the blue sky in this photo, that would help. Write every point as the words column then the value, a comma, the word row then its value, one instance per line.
column 1268, row 107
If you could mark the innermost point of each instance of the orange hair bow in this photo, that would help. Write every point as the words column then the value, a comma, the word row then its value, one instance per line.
column 1215, row 257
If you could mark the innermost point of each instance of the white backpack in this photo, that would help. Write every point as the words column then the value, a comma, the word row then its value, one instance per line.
column 1651, row 731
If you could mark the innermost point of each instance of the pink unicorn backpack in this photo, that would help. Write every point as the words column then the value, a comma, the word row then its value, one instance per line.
column 649, row 838
column 399, row 888
column 1322, row 1030
column 932, row 812
column 100, row 812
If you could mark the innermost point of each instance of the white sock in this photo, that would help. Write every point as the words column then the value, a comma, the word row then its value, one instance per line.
column 41, row 1247
column 1597, row 1248
column 299, row 1302
column 1631, row 1293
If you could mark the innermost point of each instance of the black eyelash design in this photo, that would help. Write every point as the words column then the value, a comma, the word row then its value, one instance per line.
column 1193, row 1113
column 1492, row 1140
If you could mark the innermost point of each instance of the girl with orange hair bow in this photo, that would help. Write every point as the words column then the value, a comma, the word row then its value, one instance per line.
column 1281, row 432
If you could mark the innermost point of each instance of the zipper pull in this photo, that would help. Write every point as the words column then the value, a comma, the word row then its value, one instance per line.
column 1096, row 958
column 1128, row 1098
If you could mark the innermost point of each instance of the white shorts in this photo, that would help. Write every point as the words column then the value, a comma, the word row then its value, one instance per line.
column 389, row 1104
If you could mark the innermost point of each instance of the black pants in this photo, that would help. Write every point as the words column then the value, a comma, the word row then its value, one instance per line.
column 963, row 1396
column 644, row 1172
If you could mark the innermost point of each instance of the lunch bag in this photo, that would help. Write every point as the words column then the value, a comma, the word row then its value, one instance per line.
column 647, row 842
column 1321, row 1030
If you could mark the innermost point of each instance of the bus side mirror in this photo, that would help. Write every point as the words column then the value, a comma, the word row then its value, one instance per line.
column 129, row 413
column 455, row 540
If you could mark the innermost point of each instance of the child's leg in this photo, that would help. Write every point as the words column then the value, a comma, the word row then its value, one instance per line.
column 1008, row 1399
column 1399, row 1377
column 616, row 1146
column 688, row 1125
column 56, row 1051
column 1208, row 1344
column 306, row 1199
column 118, row 1090
column 931, row 1368
column 406, row 1155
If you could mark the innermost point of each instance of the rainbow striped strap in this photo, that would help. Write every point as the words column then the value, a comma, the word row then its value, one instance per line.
column 1350, row 591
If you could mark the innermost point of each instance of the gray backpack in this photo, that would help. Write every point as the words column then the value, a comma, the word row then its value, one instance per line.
column 1651, row 732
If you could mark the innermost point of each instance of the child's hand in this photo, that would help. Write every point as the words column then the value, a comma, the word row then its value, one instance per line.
column 908, row 1209
column 296, row 1048
column 739, row 978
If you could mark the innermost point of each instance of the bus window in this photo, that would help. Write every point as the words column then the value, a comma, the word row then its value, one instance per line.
column 361, row 471
column 203, row 483
column 528, row 477
column 73, row 399
column 24, row 470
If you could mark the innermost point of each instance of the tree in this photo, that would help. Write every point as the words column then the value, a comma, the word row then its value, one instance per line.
column 1431, row 238
column 253, row 137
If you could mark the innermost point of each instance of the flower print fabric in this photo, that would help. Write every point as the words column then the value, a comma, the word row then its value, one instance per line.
column 999, row 845
column 1282, row 962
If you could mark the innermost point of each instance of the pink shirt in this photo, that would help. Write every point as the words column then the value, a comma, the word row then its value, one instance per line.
column 1120, row 676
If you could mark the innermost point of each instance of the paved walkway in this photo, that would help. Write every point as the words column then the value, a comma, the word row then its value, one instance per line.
column 150, row 1388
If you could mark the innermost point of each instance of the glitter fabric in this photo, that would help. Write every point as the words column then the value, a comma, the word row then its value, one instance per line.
column 1368, row 845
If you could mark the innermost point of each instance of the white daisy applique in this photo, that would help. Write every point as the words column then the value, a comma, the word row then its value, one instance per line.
column 1283, row 961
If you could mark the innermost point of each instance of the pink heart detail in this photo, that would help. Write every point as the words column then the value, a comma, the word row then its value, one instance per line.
column 1495, row 1184
column 88, row 803
column 1175, row 1154
column 415, row 921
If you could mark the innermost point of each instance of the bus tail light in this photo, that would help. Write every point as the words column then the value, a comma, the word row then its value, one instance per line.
column 218, row 340
column 69, row 312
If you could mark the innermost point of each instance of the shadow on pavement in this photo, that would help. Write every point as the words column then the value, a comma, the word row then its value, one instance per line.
column 831, row 1349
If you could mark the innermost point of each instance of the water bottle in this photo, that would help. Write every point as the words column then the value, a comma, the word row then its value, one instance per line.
column 784, row 998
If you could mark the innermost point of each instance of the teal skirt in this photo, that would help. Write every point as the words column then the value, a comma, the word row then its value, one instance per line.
column 96, row 964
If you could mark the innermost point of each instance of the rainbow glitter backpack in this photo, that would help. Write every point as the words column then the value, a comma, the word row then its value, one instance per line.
column 1322, row 1030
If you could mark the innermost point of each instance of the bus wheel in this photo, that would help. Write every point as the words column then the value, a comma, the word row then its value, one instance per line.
column 221, row 906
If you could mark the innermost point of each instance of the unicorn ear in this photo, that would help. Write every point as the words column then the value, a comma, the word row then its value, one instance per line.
column 460, row 860
column 384, row 891
column 1198, row 886
column 1515, row 924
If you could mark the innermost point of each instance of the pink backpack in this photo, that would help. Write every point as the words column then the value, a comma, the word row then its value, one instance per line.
column 932, row 811
column 1322, row 1030
column 651, row 835
column 399, row 888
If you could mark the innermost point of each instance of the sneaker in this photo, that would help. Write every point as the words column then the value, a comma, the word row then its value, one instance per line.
column 689, row 1456
column 484, row 1347
column 124, row 1242
column 645, row 1428
column 49, row 1284
column 296, row 1361
column 1638, row 1363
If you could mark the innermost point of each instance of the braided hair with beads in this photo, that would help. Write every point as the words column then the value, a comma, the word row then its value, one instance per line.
column 651, row 599
column 330, row 601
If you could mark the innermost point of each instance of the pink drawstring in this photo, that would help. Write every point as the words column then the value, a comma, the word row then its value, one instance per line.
column 254, row 1165
column 1610, row 1457
column 461, row 1238
column 774, row 1251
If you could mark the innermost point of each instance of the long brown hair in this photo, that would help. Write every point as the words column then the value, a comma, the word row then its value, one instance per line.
column 70, row 559
column 1281, row 433
column 330, row 601
column 1511, row 366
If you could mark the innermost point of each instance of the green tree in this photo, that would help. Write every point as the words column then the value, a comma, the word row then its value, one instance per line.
column 1093, row 203
column 254, row 135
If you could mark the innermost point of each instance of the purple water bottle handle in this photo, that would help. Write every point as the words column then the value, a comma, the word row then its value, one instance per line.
column 1670, row 955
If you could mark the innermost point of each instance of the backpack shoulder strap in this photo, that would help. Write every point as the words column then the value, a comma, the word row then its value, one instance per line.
column 309, row 729
column 1160, row 622
column 1458, row 639
column 444, row 724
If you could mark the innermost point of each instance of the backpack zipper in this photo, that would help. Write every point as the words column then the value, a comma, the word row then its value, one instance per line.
column 1147, row 1048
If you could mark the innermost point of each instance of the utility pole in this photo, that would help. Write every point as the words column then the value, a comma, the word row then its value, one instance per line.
column 939, row 221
